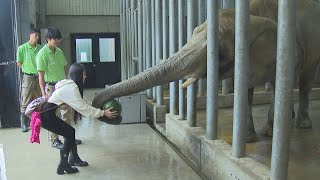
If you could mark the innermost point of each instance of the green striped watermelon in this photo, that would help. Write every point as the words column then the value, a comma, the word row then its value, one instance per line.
column 116, row 106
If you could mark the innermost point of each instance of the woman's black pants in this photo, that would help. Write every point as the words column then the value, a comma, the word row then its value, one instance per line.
column 56, row 125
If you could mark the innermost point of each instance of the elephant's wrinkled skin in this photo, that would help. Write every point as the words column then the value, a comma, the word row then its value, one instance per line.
column 190, row 60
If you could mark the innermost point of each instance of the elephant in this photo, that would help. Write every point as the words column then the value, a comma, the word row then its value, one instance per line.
column 190, row 62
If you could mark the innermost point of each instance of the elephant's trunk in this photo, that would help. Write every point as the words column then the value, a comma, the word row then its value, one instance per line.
column 189, row 61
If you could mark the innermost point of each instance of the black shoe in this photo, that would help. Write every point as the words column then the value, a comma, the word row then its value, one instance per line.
column 74, row 159
column 57, row 144
column 78, row 141
column 64, row 166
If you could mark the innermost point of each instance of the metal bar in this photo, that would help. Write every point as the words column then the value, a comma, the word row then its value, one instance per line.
column 201, row 19
column 212, row 70
column 286, row 53
column 153, row 46
column 191, row 89
column 128, row 42
column 148, row 42
column 173, row 49
column 241, row 78
column 144, row 29
column 140, row 36
column 181, row 41
column 165, row 27
column 132, row 36
column 124, row 43
column 158, row 28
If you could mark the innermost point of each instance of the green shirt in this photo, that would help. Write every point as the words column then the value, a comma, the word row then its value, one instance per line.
column 52, row 63
column 26, row 54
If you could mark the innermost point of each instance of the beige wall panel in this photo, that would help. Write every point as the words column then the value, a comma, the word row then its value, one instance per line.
column 82, row 24
column 82, row 7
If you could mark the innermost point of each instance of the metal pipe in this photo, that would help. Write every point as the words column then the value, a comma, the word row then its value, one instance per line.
column 124, row 43
column 144, row 29
column 201, row 19
column 128, row 28
column 191, row 89
column 153, row 46
column 158, row 28
column 140, row 36
column 132, row 36
column 148, row 43
column 172, row 49
column 121, row 38
column 286, row 53
column 165, row 28
column 241, row 78
column 181, row 41
column 212, row 70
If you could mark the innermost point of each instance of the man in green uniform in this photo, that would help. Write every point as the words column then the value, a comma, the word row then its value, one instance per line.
column 26, row 60
column 51, row 66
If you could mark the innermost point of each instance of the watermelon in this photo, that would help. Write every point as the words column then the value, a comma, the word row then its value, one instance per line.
column 116, row 106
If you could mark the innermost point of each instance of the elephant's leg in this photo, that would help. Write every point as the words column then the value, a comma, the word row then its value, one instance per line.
column 267, row 130
column 251, row 133
column 303, row 119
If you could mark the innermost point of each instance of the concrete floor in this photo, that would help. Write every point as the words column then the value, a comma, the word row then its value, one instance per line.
column 304, row 147
column 120, row 152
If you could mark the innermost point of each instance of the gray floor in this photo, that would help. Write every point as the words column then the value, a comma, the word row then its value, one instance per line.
column 125, row 152
column 113, row 152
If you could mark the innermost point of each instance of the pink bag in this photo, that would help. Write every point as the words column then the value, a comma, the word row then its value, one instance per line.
column 35, row 125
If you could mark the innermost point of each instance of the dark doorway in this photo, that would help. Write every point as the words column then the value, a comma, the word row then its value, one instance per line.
column 9, row 84
column 100, row 53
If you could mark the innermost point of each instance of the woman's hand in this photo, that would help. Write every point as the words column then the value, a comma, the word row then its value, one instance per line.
column 110, row 114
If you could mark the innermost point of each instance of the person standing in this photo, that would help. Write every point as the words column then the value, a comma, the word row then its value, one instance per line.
column 52, row 67
column 26, row 60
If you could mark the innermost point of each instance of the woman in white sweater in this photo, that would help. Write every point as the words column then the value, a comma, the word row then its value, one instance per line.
column 70, row 92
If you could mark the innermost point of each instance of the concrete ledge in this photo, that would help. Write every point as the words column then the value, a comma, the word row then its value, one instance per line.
column 213, row 158
column 223, row 102
column 159, row 113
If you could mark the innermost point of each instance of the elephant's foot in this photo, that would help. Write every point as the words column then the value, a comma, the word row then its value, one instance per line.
column 251, row 136
column 303, row 123
column 267, row 130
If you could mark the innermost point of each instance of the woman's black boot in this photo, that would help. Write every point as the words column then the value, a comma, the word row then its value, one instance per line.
column 64, row 166
column 74, row 159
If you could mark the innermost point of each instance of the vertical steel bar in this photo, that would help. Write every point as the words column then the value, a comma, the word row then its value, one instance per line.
column 212, row 69
column 140, row 36
column 241, row 78
column 191, row 89
column 181, row 41
column 286, row 53
column 158, row 32
column 173, row 49
column 148, row 43
column 153, row 46
column 201, row 19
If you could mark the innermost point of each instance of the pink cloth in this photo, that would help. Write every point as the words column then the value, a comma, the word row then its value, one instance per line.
column 35, row 124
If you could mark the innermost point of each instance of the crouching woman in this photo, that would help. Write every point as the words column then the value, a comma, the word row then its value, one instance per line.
column 70, row 92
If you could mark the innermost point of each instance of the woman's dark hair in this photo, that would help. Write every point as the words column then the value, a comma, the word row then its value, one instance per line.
column 52, row 33
column 76, row 74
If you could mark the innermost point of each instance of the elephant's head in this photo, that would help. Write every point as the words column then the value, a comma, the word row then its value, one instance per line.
column 190, row 62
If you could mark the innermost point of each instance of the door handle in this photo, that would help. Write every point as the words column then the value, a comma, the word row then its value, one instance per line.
column 94, row 65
